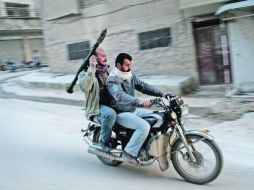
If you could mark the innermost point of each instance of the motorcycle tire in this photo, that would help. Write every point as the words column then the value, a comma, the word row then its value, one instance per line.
column 102, row 159
column 209, row 145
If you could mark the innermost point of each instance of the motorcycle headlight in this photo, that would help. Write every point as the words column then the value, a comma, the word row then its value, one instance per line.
column 184, row 110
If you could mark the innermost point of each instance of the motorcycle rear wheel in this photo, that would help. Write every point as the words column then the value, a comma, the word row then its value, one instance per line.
column 207, row 154
column 102, row 159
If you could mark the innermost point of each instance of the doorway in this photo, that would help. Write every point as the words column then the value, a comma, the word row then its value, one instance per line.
column 212, row 53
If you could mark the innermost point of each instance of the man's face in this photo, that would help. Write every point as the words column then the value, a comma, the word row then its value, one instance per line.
column 126, row 66
column 101, row 57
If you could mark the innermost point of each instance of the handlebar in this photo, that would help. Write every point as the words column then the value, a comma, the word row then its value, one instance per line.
column 154, row 101
column 172, row 100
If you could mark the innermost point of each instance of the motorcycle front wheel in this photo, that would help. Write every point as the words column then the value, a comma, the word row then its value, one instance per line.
column 209, row 159
column 103, row 159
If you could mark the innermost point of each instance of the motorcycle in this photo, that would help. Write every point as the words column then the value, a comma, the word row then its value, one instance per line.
column 195, row 155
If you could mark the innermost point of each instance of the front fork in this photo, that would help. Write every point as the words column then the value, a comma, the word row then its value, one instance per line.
column 188, row 147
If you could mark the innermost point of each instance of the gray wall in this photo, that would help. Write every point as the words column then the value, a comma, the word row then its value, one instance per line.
column 241, row 38
column 37, row 44
column 20, row 36
column 124, row 21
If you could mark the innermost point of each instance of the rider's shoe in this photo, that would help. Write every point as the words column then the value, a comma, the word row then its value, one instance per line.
column 129, row 158
column 105, row 147
column 93, row 118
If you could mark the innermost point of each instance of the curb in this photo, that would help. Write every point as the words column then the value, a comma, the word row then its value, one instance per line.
column 177, row 85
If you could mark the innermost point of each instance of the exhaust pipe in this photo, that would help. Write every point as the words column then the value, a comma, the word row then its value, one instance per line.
column 96, row 150
column 93, row 149
column 88, row 140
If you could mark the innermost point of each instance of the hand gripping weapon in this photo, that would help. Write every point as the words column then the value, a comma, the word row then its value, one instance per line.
column 85, row 64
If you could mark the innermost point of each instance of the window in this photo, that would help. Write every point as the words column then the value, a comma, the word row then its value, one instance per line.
column 87, row 3
column 78, row 50
column 155, row 38
column 17, row 10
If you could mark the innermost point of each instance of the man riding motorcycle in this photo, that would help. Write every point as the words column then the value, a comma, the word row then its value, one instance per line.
column 121, row 85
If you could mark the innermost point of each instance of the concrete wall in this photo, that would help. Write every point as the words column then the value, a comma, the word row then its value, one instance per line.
column 193, row 3
column 20, row 24
column 20, row 36
column 241, row 39
column 200, row 8
column 124, row 22
column 60, row 8
column 18, row 47
column 18, row 1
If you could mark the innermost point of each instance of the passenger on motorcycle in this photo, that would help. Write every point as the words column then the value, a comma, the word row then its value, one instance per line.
column 121, row 85
column 93, row 83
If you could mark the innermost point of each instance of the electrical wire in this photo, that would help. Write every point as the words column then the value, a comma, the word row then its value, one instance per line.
column 108, row 13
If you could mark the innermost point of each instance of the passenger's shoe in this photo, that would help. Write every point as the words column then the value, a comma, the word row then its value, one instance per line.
column 129, row 158
column 105, row 147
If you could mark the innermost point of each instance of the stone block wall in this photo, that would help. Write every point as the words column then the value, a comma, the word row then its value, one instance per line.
column 123, row 29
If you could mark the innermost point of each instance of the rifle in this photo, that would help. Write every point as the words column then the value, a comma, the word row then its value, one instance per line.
column 85, row 64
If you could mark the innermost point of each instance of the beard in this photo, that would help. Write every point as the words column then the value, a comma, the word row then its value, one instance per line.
column 122, row 70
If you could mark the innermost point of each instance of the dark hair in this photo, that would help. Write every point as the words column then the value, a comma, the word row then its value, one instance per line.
column 121, row 57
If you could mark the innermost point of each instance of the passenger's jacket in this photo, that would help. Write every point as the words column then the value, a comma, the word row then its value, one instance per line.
column 123, row 93
column 90, row 86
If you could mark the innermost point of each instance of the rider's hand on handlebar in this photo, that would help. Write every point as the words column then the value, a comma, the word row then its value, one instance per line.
column 145, row 103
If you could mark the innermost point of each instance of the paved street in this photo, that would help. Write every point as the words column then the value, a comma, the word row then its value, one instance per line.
column 197, row 50
column 42, row 148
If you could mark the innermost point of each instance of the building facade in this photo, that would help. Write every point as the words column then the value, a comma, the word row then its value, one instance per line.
column 238, row 17
column 165, row 37
column 20, row 31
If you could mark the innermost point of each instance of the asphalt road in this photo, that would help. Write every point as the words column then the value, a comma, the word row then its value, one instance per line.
column 42, row 148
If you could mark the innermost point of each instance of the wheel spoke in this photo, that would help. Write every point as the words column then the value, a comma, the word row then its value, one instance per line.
column 208, row 160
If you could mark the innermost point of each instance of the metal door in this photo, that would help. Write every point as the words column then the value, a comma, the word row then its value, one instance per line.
column 11, row 50
column 209, row 54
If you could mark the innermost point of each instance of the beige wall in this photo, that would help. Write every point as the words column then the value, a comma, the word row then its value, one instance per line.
column 193, row 3
column 20, row 35
column 200, row 8
column 241, row 39
column 59, row 8
column 123, row 28
column 20, row 24
column 18, row 1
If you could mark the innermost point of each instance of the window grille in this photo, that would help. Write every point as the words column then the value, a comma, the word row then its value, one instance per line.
column 78, row 50
column 17, row 10
column 155, row 38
